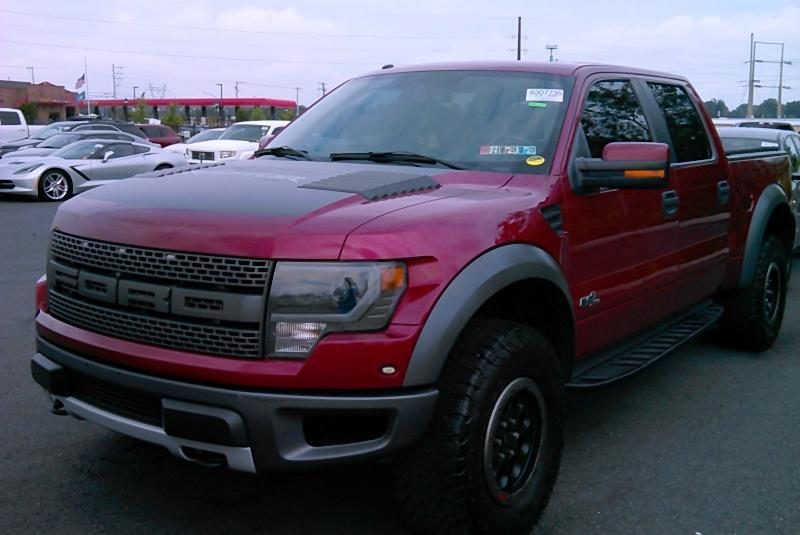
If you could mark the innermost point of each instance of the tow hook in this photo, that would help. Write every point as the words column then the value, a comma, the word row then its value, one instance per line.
column 57, row 407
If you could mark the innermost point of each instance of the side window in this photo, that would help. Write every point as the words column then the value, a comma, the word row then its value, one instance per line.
column 9, row 118
column 138, row 149
column 94, row 127
column 121, row 150
column 613, row 113
column 685, row 127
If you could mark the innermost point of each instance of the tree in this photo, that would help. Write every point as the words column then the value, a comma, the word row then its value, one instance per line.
column 173, row 117
column 740, row 112
column 768, row 108
column 257, row 114
column 717, row 108
column 792, row 109
column 29, row 111
column 287, row 115
column 139, row 114
column 243, row 114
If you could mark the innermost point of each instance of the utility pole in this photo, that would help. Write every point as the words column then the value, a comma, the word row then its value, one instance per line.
column 236, row 88
column 297, row 101
column 322, row 88
column 519, row 38
column 780, row 87
column 33, row 80
column 752, row 76
column 135, row 95
column 551, row 48
column 116, row 78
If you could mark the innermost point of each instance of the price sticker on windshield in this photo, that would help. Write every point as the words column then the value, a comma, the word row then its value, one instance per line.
column 544, row 95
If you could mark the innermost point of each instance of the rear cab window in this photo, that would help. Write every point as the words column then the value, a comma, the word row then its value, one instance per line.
column 9, row 118
column 689, row 138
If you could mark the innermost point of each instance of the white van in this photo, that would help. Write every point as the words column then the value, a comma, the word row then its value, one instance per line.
column 12, row 125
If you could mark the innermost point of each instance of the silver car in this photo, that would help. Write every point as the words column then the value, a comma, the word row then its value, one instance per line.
column 58, row 141
column 82, row 165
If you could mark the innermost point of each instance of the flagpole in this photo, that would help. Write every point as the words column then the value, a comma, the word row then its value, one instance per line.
column 86, row 83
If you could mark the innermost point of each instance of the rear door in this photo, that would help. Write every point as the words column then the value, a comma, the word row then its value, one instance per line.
column 703, row 190
column 623, row 248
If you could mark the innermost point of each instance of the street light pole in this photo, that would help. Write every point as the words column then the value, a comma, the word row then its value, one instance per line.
column 135, row 97
column 221, row 109
column 33, row 80
column 551, row 48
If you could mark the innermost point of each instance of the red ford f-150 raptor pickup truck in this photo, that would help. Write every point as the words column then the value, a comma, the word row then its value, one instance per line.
column 416, row 268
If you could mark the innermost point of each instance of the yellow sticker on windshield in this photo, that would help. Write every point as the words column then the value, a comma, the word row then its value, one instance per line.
column 535, row 160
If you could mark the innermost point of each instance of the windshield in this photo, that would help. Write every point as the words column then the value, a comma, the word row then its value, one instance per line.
column 82, row 150
column 51, row 130
column 245, row 132
column 206, row 135
column 57, row 141
column 487, row 120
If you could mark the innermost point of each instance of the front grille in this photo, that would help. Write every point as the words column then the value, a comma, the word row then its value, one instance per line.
column 122, row 401
column 204, row 156
column 182, row 335
column 160, row 264
column 189, row 302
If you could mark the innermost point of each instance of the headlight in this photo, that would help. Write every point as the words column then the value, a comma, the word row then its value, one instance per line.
column 227, row 154
column 310, row 299
column 27, row 169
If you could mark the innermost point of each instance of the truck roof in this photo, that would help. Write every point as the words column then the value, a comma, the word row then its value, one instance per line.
column 559, row 68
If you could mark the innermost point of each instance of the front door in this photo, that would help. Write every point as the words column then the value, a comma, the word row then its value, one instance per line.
column 622, row 246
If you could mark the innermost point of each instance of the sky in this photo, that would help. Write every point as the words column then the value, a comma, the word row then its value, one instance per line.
column 268, row 49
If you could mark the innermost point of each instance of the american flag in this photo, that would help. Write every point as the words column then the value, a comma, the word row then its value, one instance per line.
column 80, row 81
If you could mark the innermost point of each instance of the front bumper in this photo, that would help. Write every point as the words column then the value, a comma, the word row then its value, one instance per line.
column 18, row 186
column 247, row 430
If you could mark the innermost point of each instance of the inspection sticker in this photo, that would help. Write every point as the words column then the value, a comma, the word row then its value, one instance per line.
column 508, row 149
column 544, row 95
column 535, row 160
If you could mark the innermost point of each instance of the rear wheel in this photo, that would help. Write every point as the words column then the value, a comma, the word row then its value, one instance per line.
column 54, row 185
column 491, row 455
column 753, row 315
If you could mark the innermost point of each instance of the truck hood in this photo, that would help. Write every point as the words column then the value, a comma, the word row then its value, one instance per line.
column 265, row 208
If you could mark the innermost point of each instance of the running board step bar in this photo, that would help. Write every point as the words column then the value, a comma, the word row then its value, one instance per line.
column 618, row 363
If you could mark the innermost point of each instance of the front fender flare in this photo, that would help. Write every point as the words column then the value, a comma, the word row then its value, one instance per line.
column 468, row 291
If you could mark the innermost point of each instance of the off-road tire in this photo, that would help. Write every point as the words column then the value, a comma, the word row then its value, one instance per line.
column 753, row 315
column 444, row 483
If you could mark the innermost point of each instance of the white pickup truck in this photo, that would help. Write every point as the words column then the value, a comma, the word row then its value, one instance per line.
column 12, row 125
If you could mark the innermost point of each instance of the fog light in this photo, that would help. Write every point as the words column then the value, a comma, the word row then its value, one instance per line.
column 297, row 337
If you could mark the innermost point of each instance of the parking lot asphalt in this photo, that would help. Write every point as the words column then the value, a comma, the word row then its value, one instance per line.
column 706, row 441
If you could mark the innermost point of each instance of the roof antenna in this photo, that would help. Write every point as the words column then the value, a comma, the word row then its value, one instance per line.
column 387, row 66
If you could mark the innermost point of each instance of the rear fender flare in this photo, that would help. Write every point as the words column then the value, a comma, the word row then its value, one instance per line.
column 469, row 290
column 771, row 197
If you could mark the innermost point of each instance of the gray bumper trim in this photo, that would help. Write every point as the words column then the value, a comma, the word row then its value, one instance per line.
column 238, row 458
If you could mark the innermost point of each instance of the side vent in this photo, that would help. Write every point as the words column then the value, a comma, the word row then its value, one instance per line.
column 552, row 214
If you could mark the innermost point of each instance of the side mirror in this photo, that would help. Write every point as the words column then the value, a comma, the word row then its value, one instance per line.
column 625, row 165
column 107, row 155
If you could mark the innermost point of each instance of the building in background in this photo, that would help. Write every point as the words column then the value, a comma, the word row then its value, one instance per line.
column 44, row 101
column 204, row 111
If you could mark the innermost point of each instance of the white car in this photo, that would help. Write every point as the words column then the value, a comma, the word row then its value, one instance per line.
column 205, row 135
column 238, row 142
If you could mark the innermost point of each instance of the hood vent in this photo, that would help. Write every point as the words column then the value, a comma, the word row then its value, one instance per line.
column 375, row 186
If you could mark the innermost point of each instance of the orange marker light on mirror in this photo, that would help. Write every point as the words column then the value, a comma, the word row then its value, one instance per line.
column 654, row 173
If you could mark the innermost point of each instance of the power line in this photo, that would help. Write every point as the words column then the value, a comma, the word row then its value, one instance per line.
column 212, row 29
column 188, row 56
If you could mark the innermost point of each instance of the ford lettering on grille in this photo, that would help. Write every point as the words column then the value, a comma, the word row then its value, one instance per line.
column 213, row 305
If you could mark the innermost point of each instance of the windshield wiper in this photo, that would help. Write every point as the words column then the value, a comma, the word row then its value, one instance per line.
column 391, row 156
column 283, row 152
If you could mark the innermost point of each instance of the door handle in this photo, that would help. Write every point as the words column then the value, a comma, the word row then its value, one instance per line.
column 669, row 204
column 723, row 192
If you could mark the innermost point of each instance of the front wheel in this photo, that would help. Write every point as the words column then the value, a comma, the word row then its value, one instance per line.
column 163, row 166
column 753, row 315
column 492, row 452
column 54, row 185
